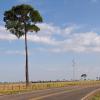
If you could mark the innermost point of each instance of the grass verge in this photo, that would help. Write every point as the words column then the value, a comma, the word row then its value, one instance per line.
column 95, row 96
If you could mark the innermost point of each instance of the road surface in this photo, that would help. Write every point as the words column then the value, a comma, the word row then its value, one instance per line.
column 65, row 93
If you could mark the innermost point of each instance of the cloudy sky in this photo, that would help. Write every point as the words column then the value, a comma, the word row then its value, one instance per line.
column 71, row 29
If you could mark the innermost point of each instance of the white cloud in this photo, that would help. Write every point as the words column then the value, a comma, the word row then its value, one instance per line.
column 49, row 29
column 94, row 1
column 61, row 39
column 15, row 52
column 5, row 35
column 69, row 30
column 41, row 39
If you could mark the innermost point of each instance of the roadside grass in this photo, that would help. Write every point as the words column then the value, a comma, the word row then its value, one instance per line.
column 13, row 88
column 10, row 92
column 95, row 97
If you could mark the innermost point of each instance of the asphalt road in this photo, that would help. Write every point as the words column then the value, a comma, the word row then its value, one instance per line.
column 65, row 93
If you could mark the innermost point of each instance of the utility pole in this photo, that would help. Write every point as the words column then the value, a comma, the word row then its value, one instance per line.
column 73, row 65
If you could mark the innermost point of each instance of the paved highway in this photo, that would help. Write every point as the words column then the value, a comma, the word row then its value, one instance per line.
column 65, row 93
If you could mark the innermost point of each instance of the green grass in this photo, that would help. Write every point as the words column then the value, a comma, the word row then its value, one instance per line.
column 95, row 96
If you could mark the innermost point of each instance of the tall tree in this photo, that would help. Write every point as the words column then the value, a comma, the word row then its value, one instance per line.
column 20, row 20
column 84, row 76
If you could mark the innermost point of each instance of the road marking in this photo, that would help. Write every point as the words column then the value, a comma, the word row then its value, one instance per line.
column 53, row 94
column 90, row 94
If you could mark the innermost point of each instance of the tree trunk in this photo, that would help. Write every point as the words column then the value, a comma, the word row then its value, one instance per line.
column 26, row 66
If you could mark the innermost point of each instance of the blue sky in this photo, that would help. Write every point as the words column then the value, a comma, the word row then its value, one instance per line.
column 70, row 29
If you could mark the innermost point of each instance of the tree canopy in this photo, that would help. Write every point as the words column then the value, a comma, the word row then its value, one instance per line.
column 22, row 18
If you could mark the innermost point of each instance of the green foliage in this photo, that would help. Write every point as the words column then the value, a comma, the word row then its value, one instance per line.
column 95, row 96
column 22, row 18
column 84, row 75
